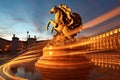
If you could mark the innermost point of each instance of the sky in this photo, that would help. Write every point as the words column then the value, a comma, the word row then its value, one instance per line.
column 19, row 16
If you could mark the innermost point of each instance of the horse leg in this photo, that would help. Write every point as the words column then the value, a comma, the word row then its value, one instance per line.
column 52, row 30
column 54, row 24
column 47, row 25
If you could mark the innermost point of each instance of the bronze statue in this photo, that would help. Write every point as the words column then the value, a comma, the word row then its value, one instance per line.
column 65, row 21
column 68, row 12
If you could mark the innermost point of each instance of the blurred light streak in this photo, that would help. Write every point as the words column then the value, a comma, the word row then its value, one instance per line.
column 102, row 18
column 21, row 59
column 69, row 46
column 30, row 56
column 103, row 28
column 98, row 20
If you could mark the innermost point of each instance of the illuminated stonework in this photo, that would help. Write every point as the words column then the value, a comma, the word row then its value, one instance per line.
column 63, row 65
column 57, row 63
column 65, row 21
column 106, row 41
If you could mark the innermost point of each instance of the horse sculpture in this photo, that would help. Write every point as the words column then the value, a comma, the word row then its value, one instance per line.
column 58, row 18
column 61, row 23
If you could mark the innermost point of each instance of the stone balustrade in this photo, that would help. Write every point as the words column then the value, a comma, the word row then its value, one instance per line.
column 106, row 41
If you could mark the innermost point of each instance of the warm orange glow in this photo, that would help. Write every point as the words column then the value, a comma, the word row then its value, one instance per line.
column 93, row 38
column 116, row 31
column 97, row 37
column 119, row 29
column 111, row 33
column 107, row 34
column 7, row 46
column 21, row 59
column 50, row 47
column 103, row 18
column 51, row 53
column 46, row 61
column 103, row 35
column 97, row 20
column 100, row 36
column 6, row 49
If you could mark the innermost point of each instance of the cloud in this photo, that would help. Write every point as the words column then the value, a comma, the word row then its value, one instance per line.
column 6, row 35
column 3, row 28
column 39, row 12
column 19, row 19
column 44, row 36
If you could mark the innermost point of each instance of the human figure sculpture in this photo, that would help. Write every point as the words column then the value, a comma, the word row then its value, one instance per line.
column 68, row 12
column 72, row 20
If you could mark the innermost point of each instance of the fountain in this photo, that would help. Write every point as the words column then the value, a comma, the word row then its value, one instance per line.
column 59, row 61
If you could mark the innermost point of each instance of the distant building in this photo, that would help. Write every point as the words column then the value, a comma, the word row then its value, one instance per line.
column 4, row 45
column 16, row 45
column 31, row 41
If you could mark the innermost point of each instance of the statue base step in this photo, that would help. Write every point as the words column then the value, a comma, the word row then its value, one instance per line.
column 62, row 65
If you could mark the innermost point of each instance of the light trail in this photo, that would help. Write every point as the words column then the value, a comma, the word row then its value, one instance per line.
column 5, row 69
column 102, row 18
column 101, row 29
column 33, row 53
column 68, row 46
column 28, row 56
column 98, row 20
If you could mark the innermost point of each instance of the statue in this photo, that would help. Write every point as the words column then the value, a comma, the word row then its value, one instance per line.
column 68, row 12
column 64, row 22
column 60, row 60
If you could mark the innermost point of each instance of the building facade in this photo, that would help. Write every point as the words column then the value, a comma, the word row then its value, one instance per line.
column 103, row 42
column 15, row 45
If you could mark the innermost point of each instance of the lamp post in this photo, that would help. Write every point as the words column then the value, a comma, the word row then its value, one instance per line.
column 27, row 34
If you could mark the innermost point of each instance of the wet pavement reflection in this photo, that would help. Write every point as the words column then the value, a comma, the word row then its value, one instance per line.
column 101, row 67
column 96, row 73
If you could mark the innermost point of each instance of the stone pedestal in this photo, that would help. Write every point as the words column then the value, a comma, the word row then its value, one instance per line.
column 63, row 65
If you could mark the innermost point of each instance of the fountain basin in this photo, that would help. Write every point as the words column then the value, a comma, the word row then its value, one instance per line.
column 63, row 65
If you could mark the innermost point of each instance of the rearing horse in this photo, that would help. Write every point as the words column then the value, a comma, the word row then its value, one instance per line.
column 58, row 23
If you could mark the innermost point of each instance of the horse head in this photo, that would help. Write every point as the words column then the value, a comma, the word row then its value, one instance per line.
column 53, row 9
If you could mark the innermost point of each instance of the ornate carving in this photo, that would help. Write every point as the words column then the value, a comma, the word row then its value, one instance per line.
column 64, row 22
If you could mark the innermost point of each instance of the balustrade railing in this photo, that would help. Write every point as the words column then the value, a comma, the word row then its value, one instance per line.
column 106, row 41
column 108, row 60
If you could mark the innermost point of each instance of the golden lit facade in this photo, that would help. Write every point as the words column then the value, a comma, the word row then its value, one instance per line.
column 110, row 60
column 66, row 64
column 106, row 41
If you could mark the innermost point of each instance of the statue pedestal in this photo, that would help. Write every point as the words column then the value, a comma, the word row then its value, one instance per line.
column 57, row 62
column 63, row 65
